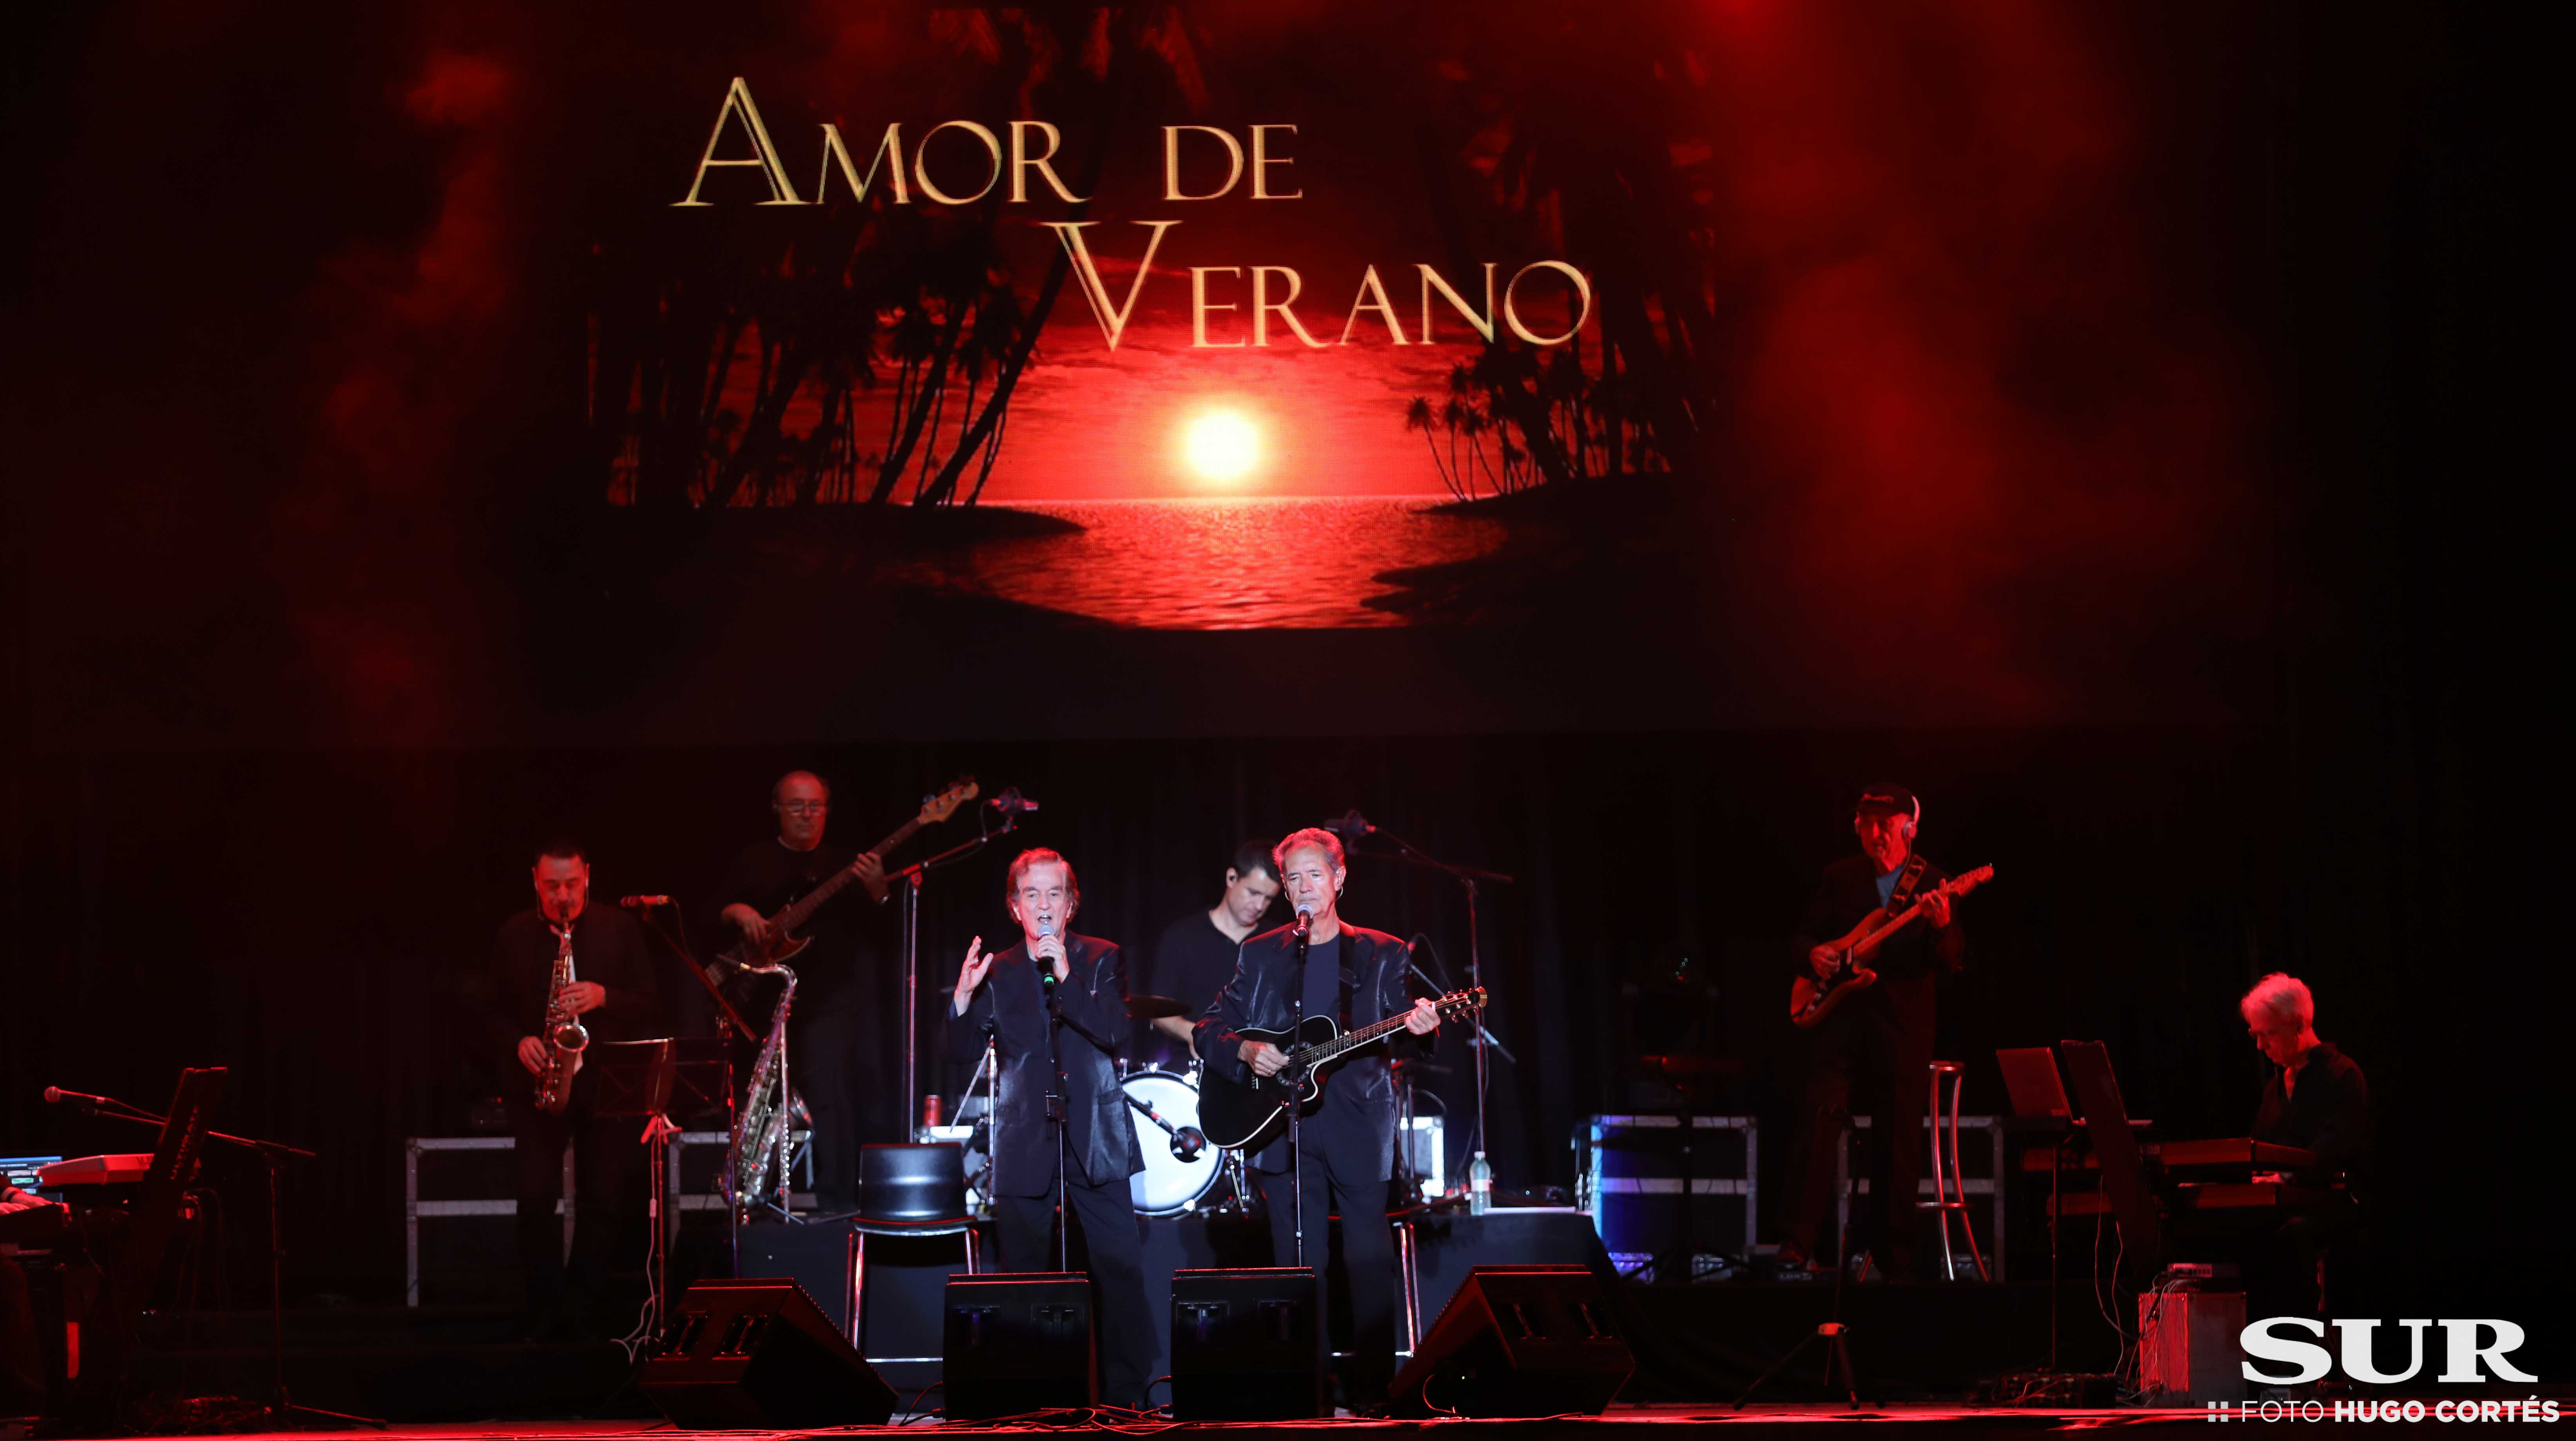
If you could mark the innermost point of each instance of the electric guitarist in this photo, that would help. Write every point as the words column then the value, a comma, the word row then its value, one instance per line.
column 1356, row 976
column 1873, row 1050
column 837, row 934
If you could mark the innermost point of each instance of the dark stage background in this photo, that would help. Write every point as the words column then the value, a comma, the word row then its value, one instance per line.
column 316, row 622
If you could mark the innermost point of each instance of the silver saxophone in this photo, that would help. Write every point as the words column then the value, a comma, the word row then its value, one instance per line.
column 760, row 1128
column 565, row 1038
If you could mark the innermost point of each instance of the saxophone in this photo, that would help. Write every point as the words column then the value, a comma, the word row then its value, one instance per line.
column 760, row 1128
column 563, row 1031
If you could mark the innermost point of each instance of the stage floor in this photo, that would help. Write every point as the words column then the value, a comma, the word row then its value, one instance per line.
column 1813, row 1422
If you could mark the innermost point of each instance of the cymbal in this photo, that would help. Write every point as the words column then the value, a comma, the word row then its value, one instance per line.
column 1144, row 1007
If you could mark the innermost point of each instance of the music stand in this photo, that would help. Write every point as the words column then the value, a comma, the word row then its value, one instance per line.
column 2115, row 1149
column 643, row 1079
column 184, row 1133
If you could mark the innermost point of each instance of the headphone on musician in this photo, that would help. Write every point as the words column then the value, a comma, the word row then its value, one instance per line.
column 1890, row 798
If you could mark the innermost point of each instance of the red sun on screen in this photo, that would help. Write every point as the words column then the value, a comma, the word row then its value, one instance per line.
column 1220, row 447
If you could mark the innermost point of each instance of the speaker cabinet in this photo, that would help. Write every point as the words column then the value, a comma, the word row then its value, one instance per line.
column 760, row 1355
column 1248, row 1345
column 1019, row 1343
column 1518, row 1341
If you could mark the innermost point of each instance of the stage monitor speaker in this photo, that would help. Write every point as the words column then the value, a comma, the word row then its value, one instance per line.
column 1018, row 1343
column 1248, row 1345
column 1517, row 1341
column 760, row 1355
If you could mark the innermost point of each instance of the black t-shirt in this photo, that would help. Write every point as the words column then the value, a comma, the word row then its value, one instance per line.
column 1192, row 962
column 1323, row 994
column 843, row 930
column 1324, row 978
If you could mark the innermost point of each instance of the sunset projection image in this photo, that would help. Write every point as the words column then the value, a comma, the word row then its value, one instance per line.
column 1308, row 317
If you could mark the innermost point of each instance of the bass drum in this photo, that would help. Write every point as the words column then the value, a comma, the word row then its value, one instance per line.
column 1180, row 1165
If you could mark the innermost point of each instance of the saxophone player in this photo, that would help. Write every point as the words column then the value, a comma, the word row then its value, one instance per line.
column 613, row 993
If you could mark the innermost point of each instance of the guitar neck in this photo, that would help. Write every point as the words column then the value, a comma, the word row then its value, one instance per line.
column 1350, row 1040
column 805, row 905
column 1954, row 887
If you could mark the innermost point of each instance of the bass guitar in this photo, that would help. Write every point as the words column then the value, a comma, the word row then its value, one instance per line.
column 1237, row 1115
column 748, row 955
column 1811, row 998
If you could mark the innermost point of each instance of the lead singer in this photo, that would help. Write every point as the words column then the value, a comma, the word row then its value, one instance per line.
column 1357, row 976
column 1056, row 1004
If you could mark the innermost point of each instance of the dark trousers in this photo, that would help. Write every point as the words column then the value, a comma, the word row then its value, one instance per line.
column 1335, row 1182
column 832, row 1050
column 1872, row 1063
column 1110, row 1227
column 607, row 1160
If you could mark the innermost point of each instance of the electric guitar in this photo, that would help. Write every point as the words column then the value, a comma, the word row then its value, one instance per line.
column 784, row 942
column 1237, row 1115
column 1812, row 999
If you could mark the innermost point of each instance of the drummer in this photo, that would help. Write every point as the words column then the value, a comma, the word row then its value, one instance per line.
column 1196, row 956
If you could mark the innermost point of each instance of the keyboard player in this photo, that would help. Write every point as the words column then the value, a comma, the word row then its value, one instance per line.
column 22, row 1373
column 2317, row 1101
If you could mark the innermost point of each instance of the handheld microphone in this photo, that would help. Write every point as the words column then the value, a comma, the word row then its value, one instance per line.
column 637, row 903
column 1046, row 969
column 1305, row 919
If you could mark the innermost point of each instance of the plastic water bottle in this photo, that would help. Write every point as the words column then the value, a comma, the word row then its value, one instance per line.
column 1480, row 1186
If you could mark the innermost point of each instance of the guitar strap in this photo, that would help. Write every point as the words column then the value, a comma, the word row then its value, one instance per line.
column 1910, row 876
column 1348, row 980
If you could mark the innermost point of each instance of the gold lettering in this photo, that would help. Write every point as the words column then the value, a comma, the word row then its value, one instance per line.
column 921, row 162
column 1582, row 287
column 888, row 148
column 1484, row 323
column 1172, row 161
column 1113, row 323
column 1199, row 306
column 1022, row 162
column 1370, row 286
column 1261, row 158
column 738, row 102
column 1262, row 304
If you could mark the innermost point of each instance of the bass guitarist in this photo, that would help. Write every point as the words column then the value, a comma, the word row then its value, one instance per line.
column 1875, row 1047
column 1358, row 977
column 841, row 1031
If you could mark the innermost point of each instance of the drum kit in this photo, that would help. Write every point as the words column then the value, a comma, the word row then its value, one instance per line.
column 1181, row 1166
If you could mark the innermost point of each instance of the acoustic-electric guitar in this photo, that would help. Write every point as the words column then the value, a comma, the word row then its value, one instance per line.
column 1811, row 998
column 1235, row 1115
column 783, row 940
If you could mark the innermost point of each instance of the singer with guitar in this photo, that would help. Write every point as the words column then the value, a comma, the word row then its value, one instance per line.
column 617, row 996
column 820, row 909
column 1356, row 976
column 1055, row 1007
column 1873, row 1045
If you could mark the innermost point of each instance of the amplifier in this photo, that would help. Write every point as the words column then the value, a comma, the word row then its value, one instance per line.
column 1019, row 1343
column 1248, row 1345
column 761, row 1355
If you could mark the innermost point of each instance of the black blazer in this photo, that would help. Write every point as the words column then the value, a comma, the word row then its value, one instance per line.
column 1906, row 963
column 1011, row 1006
column 1263, row 995
column 607, row 947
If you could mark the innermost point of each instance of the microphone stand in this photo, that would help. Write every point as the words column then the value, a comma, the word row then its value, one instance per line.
column 1296, row 1146
column 1467, row 876
column 281, row 1407
column 910, row 878
column 1058, row 1112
